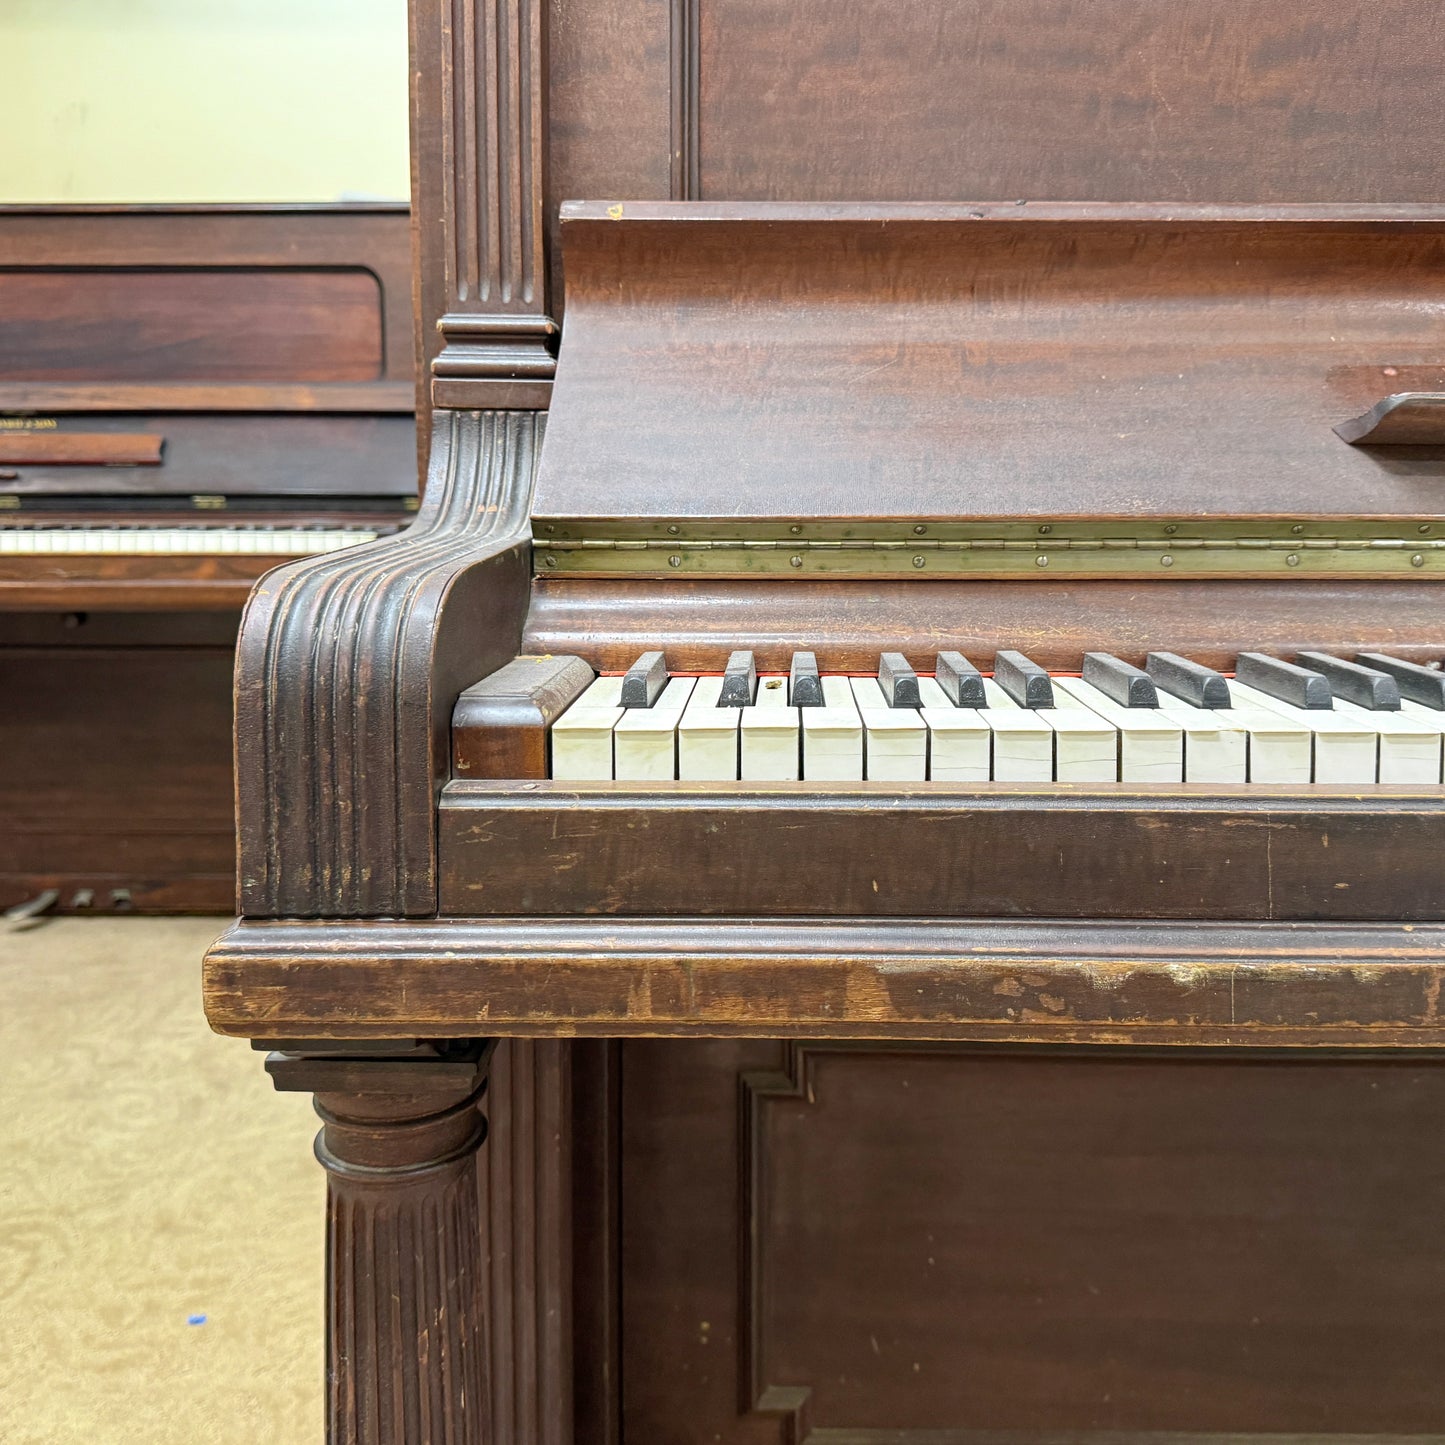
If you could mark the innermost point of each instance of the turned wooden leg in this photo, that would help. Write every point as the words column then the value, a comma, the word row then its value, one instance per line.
column 406, row 1328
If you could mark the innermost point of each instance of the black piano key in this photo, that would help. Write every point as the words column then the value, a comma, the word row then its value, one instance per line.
column 644, row 680
column 805, row 687
column 959, row 679
column 1024, row 681
column 1363, row 686
column 898, row 680
column 1424, row 685
column 740, row 681
column 1129, row 686
column 1291, row 684
column 1191, row 681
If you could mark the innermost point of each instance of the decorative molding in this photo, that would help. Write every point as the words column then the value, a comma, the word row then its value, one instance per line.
column 757, row 1090
column 406, row 1360
column 480, row 138
column 348, row 667
column 685, row 44
column 526, row 1184
column 494, row 109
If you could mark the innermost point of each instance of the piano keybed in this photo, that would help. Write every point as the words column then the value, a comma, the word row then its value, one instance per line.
column 1320, row 720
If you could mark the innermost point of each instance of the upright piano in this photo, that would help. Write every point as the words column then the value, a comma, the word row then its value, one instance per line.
column 869, row 869
column 188, row 395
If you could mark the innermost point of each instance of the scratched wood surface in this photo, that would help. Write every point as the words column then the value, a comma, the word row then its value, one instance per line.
column 730, row 361
column 942, row 851
column 989, row 1249
column 1033, row 981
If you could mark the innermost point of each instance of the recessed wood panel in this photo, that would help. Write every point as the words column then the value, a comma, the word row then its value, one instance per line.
column 1109, row 100
column 940, row 1241
column 182, row 324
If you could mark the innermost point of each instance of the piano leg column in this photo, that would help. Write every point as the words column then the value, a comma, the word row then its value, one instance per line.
column 406, row 1335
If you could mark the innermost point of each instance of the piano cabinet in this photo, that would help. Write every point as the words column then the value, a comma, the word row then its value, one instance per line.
column 907, row 333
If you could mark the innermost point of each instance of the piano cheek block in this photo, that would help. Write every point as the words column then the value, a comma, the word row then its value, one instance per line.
column 939, row 851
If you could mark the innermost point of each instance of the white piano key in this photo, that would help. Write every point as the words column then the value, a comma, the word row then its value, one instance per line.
column 1086, row 745
column 582, row 742
column 895, row 739
column 1216, row 742
column 833, row 735
column 600, row 692
column 1151, row 742
column 1346, row 750
column 1023, row 742
column 644, row 742
column 1410, row 744
column 959, row 740
column 768, row 734
column 707, row 736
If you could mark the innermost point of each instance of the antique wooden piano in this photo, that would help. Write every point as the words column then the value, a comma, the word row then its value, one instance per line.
column 869, row 869
column 188, row 394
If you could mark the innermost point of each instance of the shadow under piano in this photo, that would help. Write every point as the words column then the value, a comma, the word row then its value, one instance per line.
column 188, row 396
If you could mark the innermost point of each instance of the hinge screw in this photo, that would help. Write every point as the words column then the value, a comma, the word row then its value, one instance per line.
column 549, row 561
column 919, row 530
column 919, row 562
column 1166, row 561
column 796, row 530
column 1292, row 560
column 1423, row 528
column 1297, row 528
column 1045, row 530
column 673, row 530
column 795, row 560
column 1417, row 560
column 674, row 560
column 1170, row 530
column 1041, row 561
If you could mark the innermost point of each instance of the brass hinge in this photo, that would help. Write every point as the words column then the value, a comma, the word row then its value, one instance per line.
column 956, row 549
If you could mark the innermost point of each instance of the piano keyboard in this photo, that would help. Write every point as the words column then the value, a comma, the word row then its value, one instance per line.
column 144, row 541
column 1321, row 720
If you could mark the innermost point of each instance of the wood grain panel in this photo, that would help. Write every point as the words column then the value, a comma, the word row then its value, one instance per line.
column 1032, row 981
column 176, row 324
column 1243, row 100
column 942, row 851
column 115, row 774
column 938, row 1241
column 611, row 621
column 842, row 362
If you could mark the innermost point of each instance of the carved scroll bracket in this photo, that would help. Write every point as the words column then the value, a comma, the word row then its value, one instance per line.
column 348, row 668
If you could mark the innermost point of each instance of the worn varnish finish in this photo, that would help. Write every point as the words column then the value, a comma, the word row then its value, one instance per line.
column 405, row 1258
column 374, row 650
column 938, row 851
column 1022, row 981
column 960, row 1242
column 500, row 725
column 894, row 1232
column 986, row 362
column 848, row 623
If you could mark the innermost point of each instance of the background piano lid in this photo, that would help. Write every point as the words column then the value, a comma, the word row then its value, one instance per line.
column 769, row 361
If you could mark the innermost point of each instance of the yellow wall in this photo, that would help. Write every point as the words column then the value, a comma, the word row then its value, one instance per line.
column 202, row 100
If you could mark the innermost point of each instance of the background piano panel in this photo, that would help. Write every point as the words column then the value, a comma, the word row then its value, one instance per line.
column 188, row 397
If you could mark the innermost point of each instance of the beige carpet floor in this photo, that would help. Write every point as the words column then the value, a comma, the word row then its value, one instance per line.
column 160, row 1211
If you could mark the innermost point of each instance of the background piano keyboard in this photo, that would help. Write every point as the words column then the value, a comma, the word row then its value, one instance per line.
column 1319, row 719
column 148, row 540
